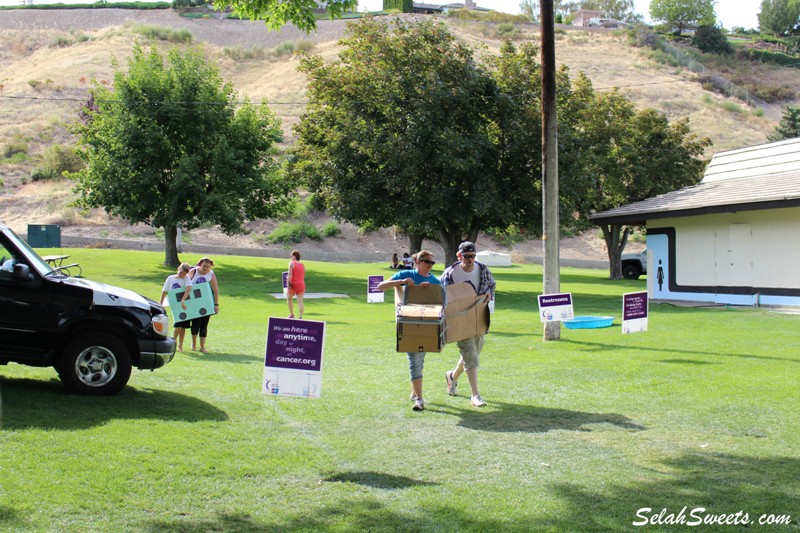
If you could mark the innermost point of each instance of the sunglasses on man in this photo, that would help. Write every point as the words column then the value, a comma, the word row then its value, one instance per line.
column 427, row 262
column 468, row 256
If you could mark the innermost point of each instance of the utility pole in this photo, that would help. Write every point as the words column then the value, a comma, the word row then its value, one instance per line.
column 550, row 235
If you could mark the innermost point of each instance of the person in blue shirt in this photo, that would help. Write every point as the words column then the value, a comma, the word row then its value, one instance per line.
column 421, row 275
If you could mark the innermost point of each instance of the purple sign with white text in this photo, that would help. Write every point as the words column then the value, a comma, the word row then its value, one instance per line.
column 634, row 312
column 294, row 344
column 372, row 284
column 634, row 305
column 374, row 294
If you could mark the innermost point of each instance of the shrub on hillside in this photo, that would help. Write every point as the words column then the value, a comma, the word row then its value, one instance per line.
column 238, row 53
column 163, row 33
column 293, row 232
column 403, row 6
column 331, row 229
column 16, row 145
column 645, row 38
column 710, row 39
column 180, row 4
column 57, row 161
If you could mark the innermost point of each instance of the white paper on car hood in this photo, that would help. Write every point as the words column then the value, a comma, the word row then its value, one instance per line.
column 109, row 295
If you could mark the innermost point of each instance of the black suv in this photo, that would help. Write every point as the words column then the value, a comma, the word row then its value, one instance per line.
column 91, row 333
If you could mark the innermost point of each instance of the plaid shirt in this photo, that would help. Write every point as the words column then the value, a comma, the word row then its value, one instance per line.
column 486, row 284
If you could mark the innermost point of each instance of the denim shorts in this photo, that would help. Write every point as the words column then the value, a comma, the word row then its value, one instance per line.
column 416, row 362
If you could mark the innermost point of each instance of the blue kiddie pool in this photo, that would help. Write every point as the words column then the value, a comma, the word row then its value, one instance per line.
column 589, row 322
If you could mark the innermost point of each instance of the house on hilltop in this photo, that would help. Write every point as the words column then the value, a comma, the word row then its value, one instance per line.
column 586, row 17
column 433, row 9
column 730, row 239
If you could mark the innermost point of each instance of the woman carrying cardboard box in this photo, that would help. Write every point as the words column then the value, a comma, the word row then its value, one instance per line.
column 421, row 275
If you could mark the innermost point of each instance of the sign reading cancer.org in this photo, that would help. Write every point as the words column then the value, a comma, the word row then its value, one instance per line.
column 374, row 294
column 293, row 359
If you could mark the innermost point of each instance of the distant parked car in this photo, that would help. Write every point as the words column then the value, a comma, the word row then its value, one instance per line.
column 91, row 333
column 634, row 264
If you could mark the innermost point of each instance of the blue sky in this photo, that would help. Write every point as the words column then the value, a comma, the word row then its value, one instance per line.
column 730, row 12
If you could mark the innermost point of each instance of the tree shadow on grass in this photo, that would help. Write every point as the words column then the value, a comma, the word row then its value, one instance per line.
column 510, row 418
column 11, row 518
column 720, row 483
column 237, row 358
column 29, row 403
column 353, row 514
column 376, row 480
column 687, row 362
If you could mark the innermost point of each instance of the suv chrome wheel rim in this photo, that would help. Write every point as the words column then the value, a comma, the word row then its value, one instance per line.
column 96, row 366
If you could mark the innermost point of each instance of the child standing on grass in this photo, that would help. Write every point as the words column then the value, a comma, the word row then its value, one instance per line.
column 179, row 280
column 202, row 273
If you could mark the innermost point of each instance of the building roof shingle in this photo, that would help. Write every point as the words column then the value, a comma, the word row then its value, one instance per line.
column 757, row 177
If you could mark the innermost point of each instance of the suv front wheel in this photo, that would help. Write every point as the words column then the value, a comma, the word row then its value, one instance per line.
column 96, row 364
column 631, row 271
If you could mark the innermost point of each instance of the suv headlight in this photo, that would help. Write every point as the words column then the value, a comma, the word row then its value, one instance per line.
column 161, row 325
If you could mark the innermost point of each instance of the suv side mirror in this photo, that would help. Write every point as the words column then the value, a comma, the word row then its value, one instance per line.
column 21, row 272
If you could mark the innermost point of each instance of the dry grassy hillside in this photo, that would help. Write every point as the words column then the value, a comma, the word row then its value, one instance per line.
column 47, row 59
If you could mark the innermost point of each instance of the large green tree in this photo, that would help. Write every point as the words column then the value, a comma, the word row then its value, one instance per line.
column 398, row 132
column 614, row 9
column 171, row 146
column 682, row 13
column 789, row 126
column 627, row 155
column 779, row 17
column 276, row 13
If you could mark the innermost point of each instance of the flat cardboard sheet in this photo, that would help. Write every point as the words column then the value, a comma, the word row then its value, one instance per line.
column 466, row 313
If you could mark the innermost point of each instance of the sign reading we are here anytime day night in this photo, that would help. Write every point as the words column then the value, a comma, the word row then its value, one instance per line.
column 293, row 359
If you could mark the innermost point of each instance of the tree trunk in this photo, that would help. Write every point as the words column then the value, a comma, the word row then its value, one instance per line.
column 415, row 242
column 450, row 238
column 449, row 242
column 170, row 246
column 616, row 238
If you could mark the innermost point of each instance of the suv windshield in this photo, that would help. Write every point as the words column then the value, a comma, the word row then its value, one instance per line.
column 31, row 257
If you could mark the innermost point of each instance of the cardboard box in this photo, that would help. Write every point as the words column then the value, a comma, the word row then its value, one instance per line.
column 420, row 319
column 430, row 317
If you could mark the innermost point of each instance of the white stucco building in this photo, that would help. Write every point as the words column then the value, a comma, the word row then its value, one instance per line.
column 734, row 238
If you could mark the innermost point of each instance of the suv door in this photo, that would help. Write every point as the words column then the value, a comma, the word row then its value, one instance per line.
column 31, row 308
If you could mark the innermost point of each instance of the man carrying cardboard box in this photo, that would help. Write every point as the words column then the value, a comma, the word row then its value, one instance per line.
column 422, row 276
column 468, row 270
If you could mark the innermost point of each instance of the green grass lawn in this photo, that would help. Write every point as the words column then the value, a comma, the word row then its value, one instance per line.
column 579, row 434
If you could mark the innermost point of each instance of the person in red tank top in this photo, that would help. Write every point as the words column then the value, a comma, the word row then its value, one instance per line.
column 296, row 281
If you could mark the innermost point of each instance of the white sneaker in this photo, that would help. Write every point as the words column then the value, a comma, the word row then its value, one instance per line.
column 419, row 404
column 451, row 383
column 477, row 401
